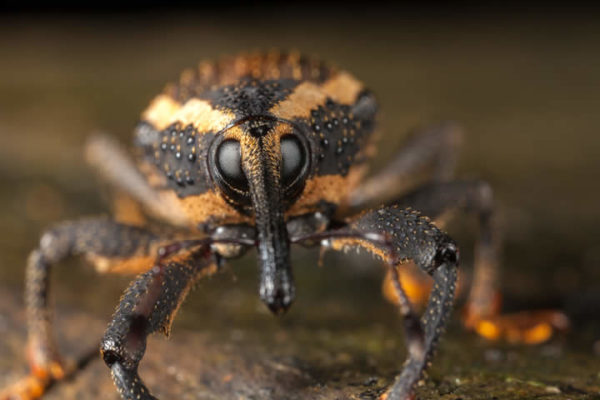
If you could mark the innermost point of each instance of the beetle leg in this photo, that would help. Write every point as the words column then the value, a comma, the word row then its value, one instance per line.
column 415, row 283
column 98, row 237
column 413, row 330
column 435, row 147
column 148, row 305
column 108, row 157
column 409, row 236
column 482, row 312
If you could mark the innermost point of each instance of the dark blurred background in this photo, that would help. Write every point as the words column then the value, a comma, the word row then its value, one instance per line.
column 524, row 82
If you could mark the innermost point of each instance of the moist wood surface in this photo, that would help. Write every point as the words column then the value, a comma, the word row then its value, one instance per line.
column 302, row 361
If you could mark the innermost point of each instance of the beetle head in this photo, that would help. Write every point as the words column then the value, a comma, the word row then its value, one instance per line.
column 260, row 166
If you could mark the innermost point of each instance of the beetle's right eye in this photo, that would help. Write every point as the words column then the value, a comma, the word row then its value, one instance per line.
column 229, row 164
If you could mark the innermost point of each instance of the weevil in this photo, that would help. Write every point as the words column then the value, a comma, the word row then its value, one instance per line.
column 266, row 151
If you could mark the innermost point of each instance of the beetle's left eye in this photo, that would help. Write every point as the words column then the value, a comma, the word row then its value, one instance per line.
column 229, row 164
column 293, row 159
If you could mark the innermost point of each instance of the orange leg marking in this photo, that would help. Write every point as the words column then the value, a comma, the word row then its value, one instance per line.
column 527, row 327
column 34, row 385
column 416, row 284
column 28, row 388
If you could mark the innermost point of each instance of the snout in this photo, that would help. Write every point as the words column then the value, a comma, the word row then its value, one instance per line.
column 278, row 297
column 261, row 163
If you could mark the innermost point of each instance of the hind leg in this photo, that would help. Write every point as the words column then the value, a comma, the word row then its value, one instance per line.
column 432, row 152
column 115, row 166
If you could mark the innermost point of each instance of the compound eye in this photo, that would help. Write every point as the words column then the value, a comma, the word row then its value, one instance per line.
column 293, row 159
column 229, row 164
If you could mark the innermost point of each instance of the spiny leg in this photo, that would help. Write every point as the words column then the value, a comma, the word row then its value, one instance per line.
column 413, row 330
column 428, row 154
column 409, row 236
column 434, row 148
column 148, row 305
column 439, row 200
column 92, row 237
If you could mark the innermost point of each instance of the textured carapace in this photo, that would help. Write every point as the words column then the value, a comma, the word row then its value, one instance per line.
column 310, row 110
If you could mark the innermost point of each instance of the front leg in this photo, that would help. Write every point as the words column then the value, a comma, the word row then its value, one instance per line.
column 483, row 309
column 409, row 236
column 149, row 305
column 101, row 239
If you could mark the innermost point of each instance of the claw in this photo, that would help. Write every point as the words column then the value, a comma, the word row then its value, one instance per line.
column 527, row 327
column 34, row 385
column 386, row 397
column 28, row 388
column 54, row 371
